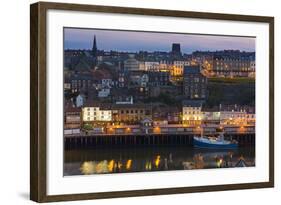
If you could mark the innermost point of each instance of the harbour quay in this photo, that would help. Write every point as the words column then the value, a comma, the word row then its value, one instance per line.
column 157, row 136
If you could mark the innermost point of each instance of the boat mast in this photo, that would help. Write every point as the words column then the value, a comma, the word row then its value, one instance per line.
column 221, row 133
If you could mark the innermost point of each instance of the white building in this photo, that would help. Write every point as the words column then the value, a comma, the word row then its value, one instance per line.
column 192, row 114
column 92, row 114
column 151, row 66
column 236, row 117
column 80, row 99
column 211, row 116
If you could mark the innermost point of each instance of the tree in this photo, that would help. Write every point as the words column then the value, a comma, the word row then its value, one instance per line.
column 88, row 126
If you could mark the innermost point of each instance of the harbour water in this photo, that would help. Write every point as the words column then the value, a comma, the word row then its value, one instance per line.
column 87, row 161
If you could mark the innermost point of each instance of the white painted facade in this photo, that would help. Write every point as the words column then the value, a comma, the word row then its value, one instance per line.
column 90, row 114
column 191, row 113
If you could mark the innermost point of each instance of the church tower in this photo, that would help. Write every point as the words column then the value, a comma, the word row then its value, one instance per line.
column 94, row 49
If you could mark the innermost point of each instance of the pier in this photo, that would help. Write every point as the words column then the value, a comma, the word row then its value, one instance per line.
column 81, row 141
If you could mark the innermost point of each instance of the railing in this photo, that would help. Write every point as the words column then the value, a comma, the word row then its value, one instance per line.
column 211, row 130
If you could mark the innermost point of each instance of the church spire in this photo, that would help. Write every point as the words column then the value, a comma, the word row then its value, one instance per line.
column 94, row 49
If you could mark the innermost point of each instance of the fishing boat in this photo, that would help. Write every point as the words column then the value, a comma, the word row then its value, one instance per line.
column 214, row 142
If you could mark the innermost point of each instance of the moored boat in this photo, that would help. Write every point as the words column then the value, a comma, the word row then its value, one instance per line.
column 214, row 142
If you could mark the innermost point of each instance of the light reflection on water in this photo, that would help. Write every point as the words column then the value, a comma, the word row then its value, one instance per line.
column 140, row 159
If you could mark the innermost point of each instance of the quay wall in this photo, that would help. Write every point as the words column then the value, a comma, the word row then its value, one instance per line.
column 73, row 142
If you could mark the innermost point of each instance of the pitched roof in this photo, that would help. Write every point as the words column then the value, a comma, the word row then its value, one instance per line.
column 192, row 103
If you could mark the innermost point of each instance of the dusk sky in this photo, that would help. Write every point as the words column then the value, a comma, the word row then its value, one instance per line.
column 148, row 41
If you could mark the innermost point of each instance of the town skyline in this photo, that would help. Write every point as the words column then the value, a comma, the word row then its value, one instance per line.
column 125, row 41
column 158, row 93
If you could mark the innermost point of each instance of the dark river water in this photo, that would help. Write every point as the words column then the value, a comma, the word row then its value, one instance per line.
column 144, row 159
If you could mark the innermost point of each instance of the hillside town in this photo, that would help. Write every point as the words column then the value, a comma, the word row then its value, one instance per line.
column 112, row 92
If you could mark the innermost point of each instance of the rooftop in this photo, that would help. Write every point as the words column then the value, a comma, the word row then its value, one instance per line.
column 192, row 103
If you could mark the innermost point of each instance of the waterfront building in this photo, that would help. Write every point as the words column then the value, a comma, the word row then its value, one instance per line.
column 191, row 112
column 171, row 114
column 72, row 116
column 210, row 116
column 96, row 114
column 131, row 113
column 237, row 117
column 229, row 114
column 194, row 83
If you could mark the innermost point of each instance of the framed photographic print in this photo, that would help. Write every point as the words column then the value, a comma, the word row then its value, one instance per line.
column 134, row 102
